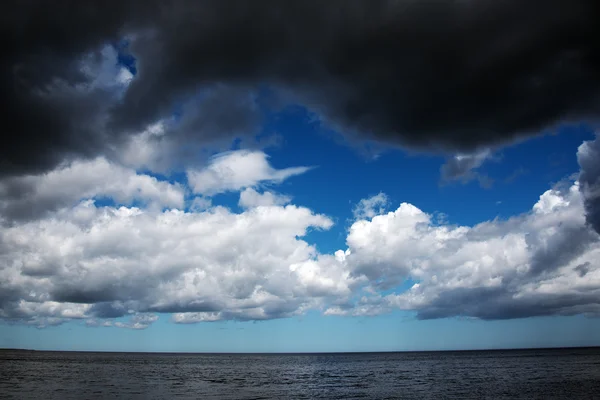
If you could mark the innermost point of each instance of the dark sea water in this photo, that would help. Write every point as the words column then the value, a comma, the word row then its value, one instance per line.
column 514, row 374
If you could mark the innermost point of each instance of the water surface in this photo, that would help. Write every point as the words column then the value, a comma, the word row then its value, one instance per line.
column 513, row 374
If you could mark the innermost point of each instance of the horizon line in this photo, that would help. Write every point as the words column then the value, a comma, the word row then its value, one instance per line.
column 7, row 349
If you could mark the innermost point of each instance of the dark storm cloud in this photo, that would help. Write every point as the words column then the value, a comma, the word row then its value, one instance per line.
column 451, row 75
column 588, row 157
column 43, row 43
column 212, row 113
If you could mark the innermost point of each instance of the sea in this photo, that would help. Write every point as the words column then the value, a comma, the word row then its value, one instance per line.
column 498, row 374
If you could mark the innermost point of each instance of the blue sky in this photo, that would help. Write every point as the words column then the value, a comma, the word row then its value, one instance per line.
column 238, row 217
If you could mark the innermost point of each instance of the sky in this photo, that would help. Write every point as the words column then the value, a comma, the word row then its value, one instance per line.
column 300, row 177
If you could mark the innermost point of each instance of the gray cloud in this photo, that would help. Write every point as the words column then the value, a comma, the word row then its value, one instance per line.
column 499, row 303
column 588, row 157
column 564, row 246
column 34, row 196
column 113, row 309
column 582, row 269
column 462, row 167
column 448, row 75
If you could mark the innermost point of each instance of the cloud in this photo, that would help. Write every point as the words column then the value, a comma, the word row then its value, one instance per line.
column 544, row 262
column 33, row 196
column 588, row 157
column 461, row 167
column 204, row 125
column 92, row 322
column 251, row 198
column 195, row 317
column 58, row 93
column 416, row 74
column 150, row 149
column 43, row 314
column 137, row 322
column 200, row 204
column 370, row 207
column 236, row 170
column 107, row 262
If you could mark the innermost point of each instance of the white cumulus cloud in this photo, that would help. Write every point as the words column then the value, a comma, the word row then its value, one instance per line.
column 105, row 262
column 35, row 195
column 236, row 170
column 370, row 207
column 542, row 262
column 251, row 198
